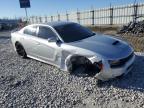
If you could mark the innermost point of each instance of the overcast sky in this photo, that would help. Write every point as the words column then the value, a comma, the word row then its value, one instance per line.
column 11, row 8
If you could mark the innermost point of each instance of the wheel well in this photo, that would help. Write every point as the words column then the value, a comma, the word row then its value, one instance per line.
column 17, row 43
column 77, row 61
column 80, row 59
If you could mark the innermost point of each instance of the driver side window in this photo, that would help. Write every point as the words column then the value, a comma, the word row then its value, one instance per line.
column 45, row 32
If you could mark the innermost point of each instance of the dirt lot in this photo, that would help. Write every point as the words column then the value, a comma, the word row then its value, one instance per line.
column 29, row 83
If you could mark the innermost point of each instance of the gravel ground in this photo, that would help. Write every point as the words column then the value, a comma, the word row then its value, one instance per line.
column 30, row 83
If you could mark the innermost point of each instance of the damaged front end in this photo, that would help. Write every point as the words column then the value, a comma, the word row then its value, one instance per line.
column 89, row 66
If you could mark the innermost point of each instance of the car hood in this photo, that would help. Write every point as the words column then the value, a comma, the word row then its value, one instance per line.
column 105, row 46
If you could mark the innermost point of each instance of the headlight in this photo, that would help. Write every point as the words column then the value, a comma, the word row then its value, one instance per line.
column 115, row 63
column 97, row 61
column 120, row 62
column 99, row 65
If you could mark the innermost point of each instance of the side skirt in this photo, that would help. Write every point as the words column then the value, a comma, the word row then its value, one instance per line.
column 45, row 62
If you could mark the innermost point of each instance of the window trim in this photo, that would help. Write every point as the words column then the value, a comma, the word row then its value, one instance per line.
column 48, row 28
column 45, row 25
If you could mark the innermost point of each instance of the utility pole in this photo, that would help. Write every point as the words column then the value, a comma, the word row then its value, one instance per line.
column 92, row 11
column 111, row 15
column 26, row 14
column 134, row 2
column 78, row 16
column 67, row 16
column 135, row 10
column 25, row 4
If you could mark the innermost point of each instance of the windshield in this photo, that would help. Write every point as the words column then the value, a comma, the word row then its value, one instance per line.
column 73, row 32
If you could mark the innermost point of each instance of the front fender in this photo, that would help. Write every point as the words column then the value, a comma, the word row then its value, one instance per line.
column 77, row 59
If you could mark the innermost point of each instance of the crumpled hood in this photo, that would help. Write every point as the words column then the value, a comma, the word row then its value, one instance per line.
column 105, row 46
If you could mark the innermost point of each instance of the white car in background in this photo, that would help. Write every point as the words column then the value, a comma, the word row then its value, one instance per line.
column 70, row 46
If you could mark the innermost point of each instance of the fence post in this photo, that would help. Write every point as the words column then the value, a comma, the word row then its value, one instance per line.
column 32, row 19
column 40, row 19
column 78, row 16
column 67, row 16
column 46, row 19
column 58, row 17
column 51, row 18
column 92, row 17
column 135, row 11
column 111, row 16
column 35, row 19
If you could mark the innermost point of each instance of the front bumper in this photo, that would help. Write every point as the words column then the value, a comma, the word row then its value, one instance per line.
column 123, row 70
column 108, row 72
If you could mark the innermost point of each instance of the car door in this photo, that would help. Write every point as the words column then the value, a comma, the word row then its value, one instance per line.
column 28, row 40
column 46, row 50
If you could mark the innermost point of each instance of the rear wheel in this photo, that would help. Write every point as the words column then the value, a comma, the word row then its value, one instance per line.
column 20, row 50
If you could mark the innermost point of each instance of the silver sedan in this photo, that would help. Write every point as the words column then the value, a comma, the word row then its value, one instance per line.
column 70, row 46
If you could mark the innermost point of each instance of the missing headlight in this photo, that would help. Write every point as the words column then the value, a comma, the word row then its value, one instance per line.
column 85, row 64
column 98, row 65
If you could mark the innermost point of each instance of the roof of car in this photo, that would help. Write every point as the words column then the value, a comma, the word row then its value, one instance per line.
column 58, row 23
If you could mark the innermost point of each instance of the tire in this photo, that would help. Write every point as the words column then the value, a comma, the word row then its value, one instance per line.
column 71, row 67
column 20, row 50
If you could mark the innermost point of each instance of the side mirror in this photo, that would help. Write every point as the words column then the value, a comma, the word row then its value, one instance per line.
column 52, row 39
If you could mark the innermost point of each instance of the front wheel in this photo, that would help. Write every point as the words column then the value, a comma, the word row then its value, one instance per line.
column 20, row 50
